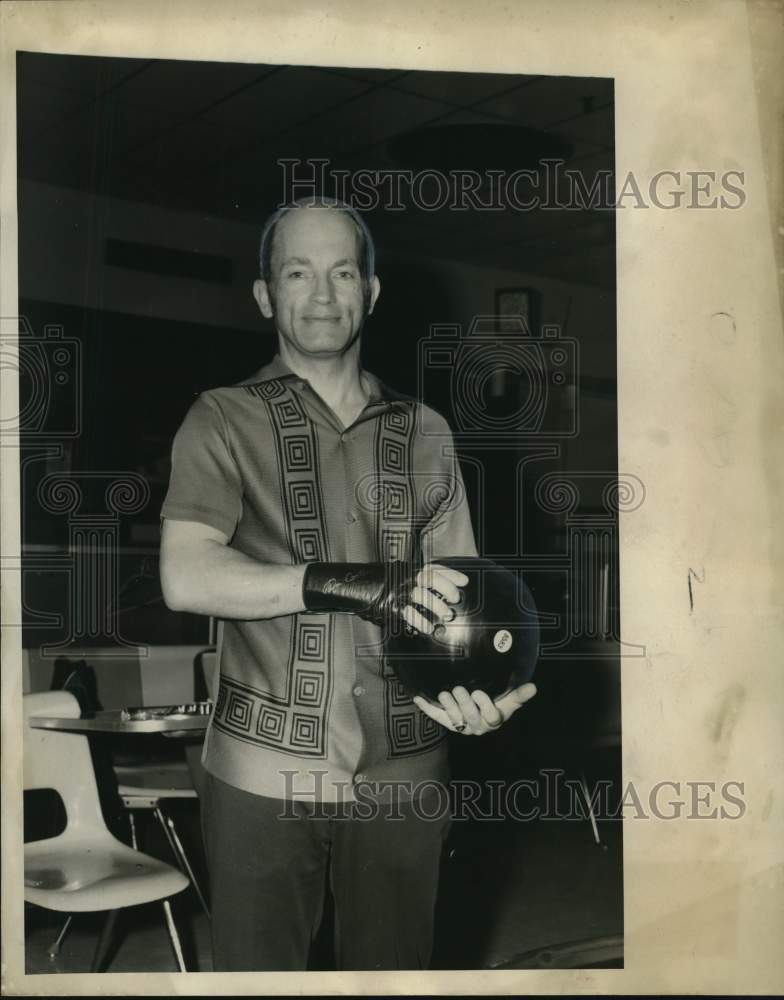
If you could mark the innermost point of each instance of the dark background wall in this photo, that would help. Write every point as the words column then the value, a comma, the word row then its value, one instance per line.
column 142, row 189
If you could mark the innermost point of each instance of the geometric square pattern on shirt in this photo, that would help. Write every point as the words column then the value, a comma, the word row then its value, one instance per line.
column 392, row 456
column 297, row 453
column 295, row 725
column 409, row 731
column 397, row 420
column 238, row 711
column 288, row 413
column 302, row 500
column 404, row 731
column 305, row 731
column 220, row 704
column 311, row 642
column 394, row 468
column 398, row 694
column 396, row 501
column 429, row 729
column 307, row 545
column 293, row 716
column 308, row 688
column 269, row 390
column 266, row 390
column 271, row 722
column 406, row 735
column 395, row 539
column 394, row 545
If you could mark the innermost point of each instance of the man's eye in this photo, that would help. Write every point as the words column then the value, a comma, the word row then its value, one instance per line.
column 296, row 274
column 346, row 275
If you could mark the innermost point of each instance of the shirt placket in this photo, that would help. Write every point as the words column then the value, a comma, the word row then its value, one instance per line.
column 347, row 440
column 347, row 443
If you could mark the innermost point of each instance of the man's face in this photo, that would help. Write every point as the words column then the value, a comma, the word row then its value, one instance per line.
column 316, row 294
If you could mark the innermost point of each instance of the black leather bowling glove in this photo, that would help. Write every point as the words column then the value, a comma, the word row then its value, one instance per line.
column 377, row 592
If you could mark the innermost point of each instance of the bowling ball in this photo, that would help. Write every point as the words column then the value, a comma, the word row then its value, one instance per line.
column 491, row 644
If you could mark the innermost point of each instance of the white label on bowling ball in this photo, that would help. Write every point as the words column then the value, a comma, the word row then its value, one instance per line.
column 502, row 640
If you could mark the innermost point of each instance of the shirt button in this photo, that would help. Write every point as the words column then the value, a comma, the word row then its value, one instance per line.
column 359, row 690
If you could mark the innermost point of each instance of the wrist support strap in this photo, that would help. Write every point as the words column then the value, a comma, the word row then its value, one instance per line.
column 376, row 592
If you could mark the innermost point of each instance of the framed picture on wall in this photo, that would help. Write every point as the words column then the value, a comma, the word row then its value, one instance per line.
column 514, row 302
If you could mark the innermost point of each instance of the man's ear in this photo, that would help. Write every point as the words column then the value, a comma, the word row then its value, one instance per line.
column 375, row 291
column 262, row 296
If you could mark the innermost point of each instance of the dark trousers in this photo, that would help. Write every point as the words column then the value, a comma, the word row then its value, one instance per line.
column 268, row 878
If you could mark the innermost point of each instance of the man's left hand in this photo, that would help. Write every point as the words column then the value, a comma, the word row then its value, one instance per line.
column 475, row 714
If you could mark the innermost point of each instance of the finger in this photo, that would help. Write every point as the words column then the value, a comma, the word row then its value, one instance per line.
column 448, row 587
column 456, row 576
column 452, row 710
column 438, row 715
column 487, row 709
column 524, row 693
column 428, row 599
column 416, row 620
column 516, row 698
column 443, row 580
column 468, row 708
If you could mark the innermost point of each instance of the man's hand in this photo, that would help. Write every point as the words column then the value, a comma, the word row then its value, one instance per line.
column 475, row 714
column 383, row 592
column 436, row 587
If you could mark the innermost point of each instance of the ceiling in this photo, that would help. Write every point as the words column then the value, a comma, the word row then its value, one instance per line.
column 206, row 137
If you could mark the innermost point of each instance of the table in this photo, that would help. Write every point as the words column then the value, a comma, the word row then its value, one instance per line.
column 168, row 720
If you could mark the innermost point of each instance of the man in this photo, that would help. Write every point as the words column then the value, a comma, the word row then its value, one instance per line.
column 300, row 505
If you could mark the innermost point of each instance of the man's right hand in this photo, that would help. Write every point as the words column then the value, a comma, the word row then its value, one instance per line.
column 381, row 592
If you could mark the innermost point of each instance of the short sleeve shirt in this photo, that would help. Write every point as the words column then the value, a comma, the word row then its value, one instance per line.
column 306, row 705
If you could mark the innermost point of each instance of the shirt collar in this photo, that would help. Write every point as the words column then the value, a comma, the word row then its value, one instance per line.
column 380, row 392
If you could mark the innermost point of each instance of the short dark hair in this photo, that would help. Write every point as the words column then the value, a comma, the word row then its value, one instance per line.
column 367, row 250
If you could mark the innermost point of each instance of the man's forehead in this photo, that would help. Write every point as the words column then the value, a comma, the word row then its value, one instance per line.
column 304, row 230
column 315, row 220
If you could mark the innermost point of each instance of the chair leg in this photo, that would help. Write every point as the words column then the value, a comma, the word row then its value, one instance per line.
column 158, row 813
column 167, row 823
column 132, row 824
column 184, row 859
column 173, row 935
column 54, row 949
column 104, row 942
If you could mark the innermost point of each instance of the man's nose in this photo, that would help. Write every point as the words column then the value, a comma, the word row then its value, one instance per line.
column 324, row 289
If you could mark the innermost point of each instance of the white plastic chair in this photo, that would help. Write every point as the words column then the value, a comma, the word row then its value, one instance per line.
column 84, row 868
column 147, row 787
